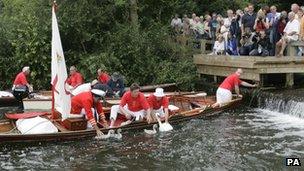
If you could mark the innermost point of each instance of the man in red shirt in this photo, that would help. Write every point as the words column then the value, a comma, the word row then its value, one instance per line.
column 132, row 104
column 103, row 76
column 159, row 103
column 87, row 103
column 21, row 87
column 75, row 78
column 224, row 92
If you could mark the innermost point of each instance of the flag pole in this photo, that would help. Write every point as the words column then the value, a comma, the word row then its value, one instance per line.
column 53, row 88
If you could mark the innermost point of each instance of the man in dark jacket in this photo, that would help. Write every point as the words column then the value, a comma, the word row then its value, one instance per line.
column 116, row 83
column 262, row 46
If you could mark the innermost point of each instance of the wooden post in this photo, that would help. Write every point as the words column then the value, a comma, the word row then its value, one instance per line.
column 215, row 79
column 289, row 80
column 203, row 46
column 261, row 83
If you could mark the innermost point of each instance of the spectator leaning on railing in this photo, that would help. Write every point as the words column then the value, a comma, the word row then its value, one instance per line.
column 261, row 46
column 231, row 45
column 219, row 46
column 291, row 33
column 246, row 42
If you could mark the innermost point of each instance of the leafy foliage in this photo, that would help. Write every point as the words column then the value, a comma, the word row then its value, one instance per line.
column 99, row 32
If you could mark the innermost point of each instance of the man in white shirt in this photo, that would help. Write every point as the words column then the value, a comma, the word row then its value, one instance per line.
column 176, row 23
column 227, row 21
column 192, row 21
column 291, row 33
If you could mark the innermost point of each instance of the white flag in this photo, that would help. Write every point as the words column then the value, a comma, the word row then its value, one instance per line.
column 62, row 97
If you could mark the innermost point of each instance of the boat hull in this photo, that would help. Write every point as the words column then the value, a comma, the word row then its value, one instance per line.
column 89, row 133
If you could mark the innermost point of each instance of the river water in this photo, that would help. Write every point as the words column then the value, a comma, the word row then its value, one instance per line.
column 247, row 138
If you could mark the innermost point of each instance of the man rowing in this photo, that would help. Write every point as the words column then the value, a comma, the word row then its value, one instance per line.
column 21, row 87
column 224, row 92
column 88, row 103
column 159, row 103
column 75, row 78
column 133, row 104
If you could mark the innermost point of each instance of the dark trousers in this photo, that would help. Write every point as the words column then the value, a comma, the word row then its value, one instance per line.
column 245, row 50
column 255, row 52
column 20, row 93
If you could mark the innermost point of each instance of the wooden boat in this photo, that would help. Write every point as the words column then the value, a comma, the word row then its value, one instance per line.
column 7, row 99
column 190, row 107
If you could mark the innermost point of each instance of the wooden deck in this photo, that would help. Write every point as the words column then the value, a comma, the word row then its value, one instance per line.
column 254, row 67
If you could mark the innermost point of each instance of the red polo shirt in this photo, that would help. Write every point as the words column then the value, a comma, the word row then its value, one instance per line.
column 104, row 78
column 134, row 104
column 230, row 82
column 157, row 104
column 75, row 80
column 85, row 100
column 20, row 79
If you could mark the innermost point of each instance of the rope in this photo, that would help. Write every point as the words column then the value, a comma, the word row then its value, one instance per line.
column 9, row 131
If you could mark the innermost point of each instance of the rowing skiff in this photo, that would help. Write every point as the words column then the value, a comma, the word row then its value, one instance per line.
column 190, row 107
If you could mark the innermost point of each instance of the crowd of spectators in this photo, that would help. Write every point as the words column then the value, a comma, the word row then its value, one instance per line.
column 266, row 32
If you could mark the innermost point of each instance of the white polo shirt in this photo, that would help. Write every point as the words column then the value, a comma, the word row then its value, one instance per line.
column 293, row 26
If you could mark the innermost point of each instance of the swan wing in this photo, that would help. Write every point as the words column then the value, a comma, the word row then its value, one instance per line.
column 150, row 132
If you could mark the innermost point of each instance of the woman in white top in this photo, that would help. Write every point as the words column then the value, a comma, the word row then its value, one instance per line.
column 291, row 33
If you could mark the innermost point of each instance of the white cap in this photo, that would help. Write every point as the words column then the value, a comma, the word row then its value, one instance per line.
column 98, row 92
column 159, row 92
column 26, row 68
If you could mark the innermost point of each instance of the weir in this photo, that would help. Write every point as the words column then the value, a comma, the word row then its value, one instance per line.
column 286, row 102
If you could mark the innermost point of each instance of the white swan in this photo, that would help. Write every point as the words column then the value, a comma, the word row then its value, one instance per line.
column 163, row 127
column 118, row 135
column 106, row 136
column 151, row 132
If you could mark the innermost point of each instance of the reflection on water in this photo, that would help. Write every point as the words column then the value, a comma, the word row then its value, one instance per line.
column 244, row 139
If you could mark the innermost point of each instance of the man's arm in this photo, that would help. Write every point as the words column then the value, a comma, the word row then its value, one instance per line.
column 292, row 33
column 237, row 90
column 243, row 83
column 149, row 118
column 166, row 114
column 128, row 115
column 242, row 27
column 88, row 110
column 101, row 114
